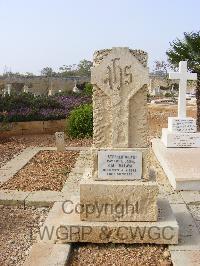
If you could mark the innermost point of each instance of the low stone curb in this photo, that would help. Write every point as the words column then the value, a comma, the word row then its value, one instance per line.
column 36, row 198
column 45, row 198
column 48, row 254
column 17, row 163
column 13, row 166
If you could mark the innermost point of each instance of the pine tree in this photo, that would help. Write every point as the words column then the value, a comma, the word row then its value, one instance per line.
column 188, row 49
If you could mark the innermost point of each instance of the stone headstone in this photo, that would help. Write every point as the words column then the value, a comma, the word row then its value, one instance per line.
column 120, row 78
column 60, row 141
column 120, row 153
column 182, row 130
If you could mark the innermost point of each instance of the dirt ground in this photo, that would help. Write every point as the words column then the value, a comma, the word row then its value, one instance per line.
column 158, row 117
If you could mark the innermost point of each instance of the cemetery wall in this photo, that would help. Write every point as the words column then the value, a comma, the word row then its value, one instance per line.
column 41, row 85
column 33, row 127
column 161, row 81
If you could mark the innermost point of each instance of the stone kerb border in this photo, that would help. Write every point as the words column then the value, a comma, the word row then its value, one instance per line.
column 35, row 198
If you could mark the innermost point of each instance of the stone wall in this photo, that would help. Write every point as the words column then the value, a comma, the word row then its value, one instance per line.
column 161, row 81
column 41, row 85
column 33, row 127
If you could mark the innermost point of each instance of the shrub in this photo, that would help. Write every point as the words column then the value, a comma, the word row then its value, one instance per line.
column 168, row 94
column 88, row 89
column 80, row 122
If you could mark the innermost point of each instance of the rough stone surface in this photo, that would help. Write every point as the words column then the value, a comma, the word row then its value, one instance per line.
column 119, row 98
column 164, row 231
column 182, row 166
column 118, row 201
column 45, row 254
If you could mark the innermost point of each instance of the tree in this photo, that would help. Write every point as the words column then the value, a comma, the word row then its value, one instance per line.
column 68, row 70
column 188, row 49
column 47, row 71
column 160, row 67
column 83, row 67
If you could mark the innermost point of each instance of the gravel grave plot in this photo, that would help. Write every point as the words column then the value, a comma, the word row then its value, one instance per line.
column 18, row 231
column 48, row 170
column 10, row 147
column 119, row 255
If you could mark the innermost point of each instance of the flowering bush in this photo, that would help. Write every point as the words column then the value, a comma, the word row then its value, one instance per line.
column 26, row 107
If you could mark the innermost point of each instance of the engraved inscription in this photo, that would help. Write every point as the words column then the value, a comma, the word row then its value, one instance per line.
column 117, row 76
column 120, row 165
column 182, row 125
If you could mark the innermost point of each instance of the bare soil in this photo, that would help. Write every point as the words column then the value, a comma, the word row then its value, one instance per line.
column 158, row 117
column 48, row 170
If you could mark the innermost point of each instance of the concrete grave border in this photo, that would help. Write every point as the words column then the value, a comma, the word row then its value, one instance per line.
column 28, row 198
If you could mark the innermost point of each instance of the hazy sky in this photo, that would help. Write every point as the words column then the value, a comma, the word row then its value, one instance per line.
column 39, row 33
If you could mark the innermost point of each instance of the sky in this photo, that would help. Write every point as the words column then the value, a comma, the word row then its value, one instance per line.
column 38, row 33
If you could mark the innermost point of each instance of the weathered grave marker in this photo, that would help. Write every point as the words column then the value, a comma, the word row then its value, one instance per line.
column 60, row 141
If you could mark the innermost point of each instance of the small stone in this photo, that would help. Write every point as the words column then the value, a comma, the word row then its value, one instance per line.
column 166, row 254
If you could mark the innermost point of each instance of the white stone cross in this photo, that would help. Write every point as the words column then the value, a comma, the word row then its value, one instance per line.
column 183, row 75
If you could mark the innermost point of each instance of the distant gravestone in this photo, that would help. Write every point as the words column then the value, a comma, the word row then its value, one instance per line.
column 60, row 141
column 75, row 88
column 182, row 130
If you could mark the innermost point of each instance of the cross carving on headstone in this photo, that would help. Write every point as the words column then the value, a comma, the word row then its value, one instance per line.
column 183, row 76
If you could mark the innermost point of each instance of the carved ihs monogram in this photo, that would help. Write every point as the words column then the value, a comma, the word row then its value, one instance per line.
column 117, row 76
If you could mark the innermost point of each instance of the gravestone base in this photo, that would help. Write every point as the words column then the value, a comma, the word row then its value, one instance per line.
column 180, row 140
column 118, row 200
column 163, row 231
column 181, row 166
